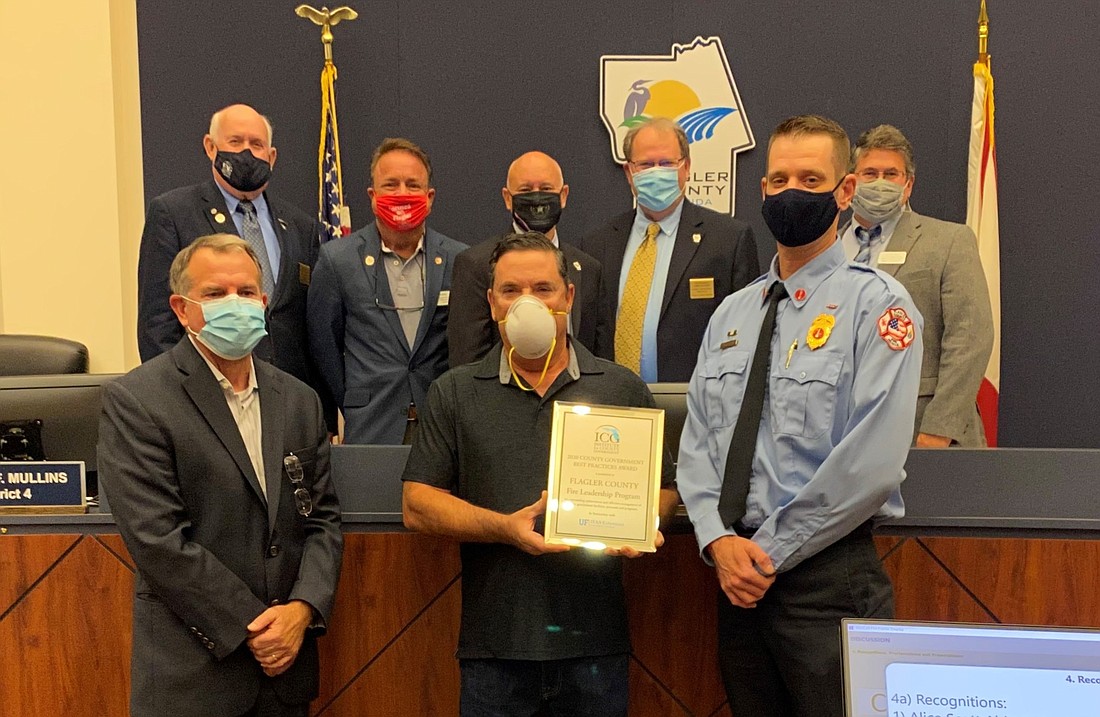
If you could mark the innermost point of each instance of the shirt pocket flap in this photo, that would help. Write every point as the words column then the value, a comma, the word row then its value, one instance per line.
column 724, row 363
column 823, row 367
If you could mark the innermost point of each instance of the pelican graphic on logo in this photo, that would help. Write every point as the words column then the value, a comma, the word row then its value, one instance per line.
column 693, row 86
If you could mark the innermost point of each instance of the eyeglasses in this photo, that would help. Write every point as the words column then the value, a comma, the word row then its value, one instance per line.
column 662, row 163
column 870, row 175
column 301, row 496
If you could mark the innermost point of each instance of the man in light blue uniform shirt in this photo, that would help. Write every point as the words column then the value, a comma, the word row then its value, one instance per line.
column 835, row 411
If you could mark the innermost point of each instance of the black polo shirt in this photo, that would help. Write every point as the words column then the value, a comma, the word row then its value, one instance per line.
column 489, row 444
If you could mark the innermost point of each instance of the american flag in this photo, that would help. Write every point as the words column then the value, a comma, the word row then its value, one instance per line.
column 334, row 215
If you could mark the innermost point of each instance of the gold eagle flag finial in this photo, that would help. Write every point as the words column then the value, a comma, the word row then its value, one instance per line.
column 327, row 19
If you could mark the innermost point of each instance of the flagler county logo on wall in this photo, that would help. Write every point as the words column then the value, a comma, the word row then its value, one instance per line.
column 693, row 86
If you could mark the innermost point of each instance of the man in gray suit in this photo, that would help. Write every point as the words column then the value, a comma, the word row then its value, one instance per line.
column 938, row 263
column 217, row 470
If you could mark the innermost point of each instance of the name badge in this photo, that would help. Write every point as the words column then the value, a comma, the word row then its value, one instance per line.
column 892, row 257
column 701, row 288
column 444, row 298
column 303, row 274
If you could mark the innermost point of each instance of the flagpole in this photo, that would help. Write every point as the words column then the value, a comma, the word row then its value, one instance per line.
column 983, row 36
column 982, row 216
column 335, row 216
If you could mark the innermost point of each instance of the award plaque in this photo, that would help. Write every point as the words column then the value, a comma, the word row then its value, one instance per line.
column 605, row 476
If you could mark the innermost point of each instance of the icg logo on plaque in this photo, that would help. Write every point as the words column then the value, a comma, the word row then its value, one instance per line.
column 693, row 86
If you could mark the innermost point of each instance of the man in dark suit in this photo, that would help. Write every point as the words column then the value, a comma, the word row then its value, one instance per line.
column 235, row 201
column 535, row 194
column 669, row 264
column 217, row 468
column 379, row 302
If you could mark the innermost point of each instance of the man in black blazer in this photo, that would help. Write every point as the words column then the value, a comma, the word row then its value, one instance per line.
column 701, row 257
column 217, row 469
column 535, row 193
column 241, row 155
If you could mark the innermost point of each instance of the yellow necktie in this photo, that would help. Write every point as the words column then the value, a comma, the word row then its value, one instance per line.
column 628, row 328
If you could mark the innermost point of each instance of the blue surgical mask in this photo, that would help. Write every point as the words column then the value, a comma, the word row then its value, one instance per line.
column 657, row 188
column 234, row 325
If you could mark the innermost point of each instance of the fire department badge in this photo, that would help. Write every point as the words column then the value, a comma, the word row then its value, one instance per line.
column 819, row 331
column 896, row 328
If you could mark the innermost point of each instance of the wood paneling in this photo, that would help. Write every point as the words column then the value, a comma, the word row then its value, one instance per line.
column 24, row 559
column 390, row 647
column 671, row 599
column 386, row 581
column 924, row 591
column 66, row 645
column 649, row 697
column 1031, row 582
column 416, row 675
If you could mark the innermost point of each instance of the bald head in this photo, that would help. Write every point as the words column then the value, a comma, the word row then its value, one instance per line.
column 535, row 172
column 236, row 116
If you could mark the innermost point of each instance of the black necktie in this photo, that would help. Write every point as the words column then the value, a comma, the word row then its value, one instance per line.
column 735, row 485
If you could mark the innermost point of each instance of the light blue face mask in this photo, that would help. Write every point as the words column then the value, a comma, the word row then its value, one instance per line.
column 658, row 187
column 234, row 325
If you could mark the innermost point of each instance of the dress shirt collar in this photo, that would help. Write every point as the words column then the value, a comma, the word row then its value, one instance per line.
column 224, row 382
column 231, row 202
column 669, row 224
column 802, row 284
column 520, row 230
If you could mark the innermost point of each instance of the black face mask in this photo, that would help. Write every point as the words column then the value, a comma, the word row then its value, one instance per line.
column 243, row 170
column 797, row 217
column 536, row 211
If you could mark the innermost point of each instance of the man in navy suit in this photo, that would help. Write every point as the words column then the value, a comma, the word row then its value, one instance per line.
column 698, row 258
column 234, row 201
column 378, row 302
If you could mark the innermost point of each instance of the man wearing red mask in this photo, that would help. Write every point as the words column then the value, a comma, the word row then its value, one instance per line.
column 378, row 302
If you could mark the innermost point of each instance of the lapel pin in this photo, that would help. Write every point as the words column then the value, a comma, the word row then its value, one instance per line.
column 213, row 210
column 697, row 238
column 731, row 333
column 219, row 218
column 577, row 265
column 438, row 260
column 369, row 261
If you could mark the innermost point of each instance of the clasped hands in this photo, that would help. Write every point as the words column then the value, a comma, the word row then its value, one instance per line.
column 276, row 635
column 745, row 571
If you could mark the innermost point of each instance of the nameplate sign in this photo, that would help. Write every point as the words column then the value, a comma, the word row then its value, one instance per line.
column 42, row 487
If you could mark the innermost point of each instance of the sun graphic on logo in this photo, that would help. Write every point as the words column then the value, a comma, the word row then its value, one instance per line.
column 674, row 100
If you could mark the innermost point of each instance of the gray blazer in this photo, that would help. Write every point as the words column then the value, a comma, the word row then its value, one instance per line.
column 943, row 274
column 211, row 553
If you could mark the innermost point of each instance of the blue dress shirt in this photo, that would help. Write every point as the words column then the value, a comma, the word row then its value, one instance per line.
column 263, row 215
column 837, row 420
column 666, row 241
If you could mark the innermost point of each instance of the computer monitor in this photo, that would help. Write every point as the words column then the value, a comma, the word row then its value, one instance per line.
column 672, row 397
column 68, row 406
column 927, row 668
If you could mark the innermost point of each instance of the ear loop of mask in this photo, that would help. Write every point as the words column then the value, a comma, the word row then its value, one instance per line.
column 545, row 367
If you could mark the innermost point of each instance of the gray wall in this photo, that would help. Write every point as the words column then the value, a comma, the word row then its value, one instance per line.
column 478, row 83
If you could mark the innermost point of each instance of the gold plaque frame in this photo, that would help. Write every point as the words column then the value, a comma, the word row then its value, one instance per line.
column 605, row 476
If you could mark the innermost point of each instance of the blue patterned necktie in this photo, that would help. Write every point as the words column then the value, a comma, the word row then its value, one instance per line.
column 866, row 239
column 251, row 233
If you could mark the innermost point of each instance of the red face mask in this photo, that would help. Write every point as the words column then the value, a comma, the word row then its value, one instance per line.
column 401, row 212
